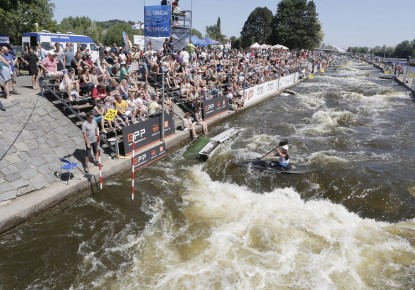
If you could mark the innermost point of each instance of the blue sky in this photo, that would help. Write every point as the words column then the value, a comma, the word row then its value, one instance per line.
column 345, row 22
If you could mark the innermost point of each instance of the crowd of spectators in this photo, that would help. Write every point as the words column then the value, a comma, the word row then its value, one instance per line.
column 119, row 78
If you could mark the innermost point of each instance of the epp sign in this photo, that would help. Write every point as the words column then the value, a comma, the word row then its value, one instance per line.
column 149, row 156
column 145, row 133
column 214, row 106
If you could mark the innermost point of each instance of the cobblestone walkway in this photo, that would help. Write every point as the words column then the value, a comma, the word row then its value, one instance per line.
column 33, row 135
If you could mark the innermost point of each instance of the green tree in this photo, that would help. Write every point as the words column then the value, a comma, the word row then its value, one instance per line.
column 296, row 25
column 215, row 33
column 114, row 34
column 404, row 49
column 313, row 32
column 81, row 25
column 257, row 28
column 20, row 16
column 235, row 42
column 197, row 33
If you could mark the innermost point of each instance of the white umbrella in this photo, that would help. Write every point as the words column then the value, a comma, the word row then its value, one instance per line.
column 277, row 46
column 255, row 45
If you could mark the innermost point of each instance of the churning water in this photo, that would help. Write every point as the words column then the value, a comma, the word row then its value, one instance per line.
column 347, row 225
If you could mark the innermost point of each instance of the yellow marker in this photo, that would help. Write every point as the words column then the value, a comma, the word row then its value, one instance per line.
column 322, row 70
column 386, row 72
column 311, row 77
column 110, row 115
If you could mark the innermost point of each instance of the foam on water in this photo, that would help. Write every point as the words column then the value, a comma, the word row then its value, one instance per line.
column 228, row 237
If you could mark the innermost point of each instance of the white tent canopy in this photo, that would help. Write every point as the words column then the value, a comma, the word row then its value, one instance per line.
column 279, row 46
column 265, row 46
column 255, row 45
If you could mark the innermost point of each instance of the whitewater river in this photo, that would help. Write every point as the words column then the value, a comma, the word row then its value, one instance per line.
column 212, row 225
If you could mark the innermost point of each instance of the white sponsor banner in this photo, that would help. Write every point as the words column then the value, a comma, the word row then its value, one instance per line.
column 286, row 81
column 264, row 90
column 4, row 39
column 139, row 40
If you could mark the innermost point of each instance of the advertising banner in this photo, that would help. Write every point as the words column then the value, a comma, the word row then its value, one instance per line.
column 139, row 40
column 146, row 132
column 157, row 21
column 149, row 156
column 286, row 81
column 214, row 106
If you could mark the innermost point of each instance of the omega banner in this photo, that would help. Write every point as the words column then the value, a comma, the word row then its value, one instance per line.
column 146, row 132
column 149, row 156
column 214, row 106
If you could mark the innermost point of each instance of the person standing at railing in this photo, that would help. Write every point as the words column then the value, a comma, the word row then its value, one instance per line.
column 174, row 10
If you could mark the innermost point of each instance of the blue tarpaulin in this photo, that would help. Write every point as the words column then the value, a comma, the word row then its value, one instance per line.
column 197, row 41
column 210, row 41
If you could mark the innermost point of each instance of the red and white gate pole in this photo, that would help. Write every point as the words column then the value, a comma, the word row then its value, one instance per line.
column 99, row 161
column 132, row 172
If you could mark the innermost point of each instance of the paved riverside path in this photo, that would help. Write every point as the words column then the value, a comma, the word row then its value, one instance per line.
column 33, row 135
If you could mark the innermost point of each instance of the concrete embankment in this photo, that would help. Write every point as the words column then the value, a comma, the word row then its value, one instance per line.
column 405, row 79
column 34, row 134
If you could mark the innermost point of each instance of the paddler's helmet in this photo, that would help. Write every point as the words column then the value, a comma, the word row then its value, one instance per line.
column 285, row 147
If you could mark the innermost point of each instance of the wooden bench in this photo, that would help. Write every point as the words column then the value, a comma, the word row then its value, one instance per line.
column 78, row 107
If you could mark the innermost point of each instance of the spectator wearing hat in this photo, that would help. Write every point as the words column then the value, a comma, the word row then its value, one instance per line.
column 50, row 66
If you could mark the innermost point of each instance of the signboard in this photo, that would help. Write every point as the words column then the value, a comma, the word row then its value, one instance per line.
column 157, row 20
column 214, row 106
column 139, row 40
column 149, row 156
column 4, row 39
column 110, row 115
column 146, row 132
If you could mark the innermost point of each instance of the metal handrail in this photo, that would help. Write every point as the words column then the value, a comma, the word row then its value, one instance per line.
column 43, row 84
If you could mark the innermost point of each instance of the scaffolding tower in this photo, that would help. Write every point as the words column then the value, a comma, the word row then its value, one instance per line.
column 181, row 28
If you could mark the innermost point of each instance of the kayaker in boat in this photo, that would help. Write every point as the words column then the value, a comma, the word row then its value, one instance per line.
column 283, row 153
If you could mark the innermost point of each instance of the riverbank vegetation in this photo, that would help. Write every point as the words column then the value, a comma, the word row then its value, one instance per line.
column 405, row 49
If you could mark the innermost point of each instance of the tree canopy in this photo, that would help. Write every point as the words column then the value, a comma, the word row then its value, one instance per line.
column 257, row 27
column 81, row 25
column 296, row 25
column 215, row 32
column 114, row 34
column 197, row 33
column 20, row 16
